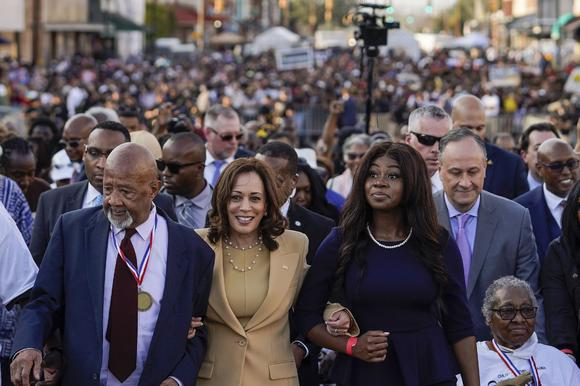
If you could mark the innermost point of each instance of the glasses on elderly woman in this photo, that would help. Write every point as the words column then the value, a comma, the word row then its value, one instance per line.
column 508, row 313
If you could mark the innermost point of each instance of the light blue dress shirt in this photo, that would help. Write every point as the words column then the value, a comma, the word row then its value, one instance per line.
column 470, row 224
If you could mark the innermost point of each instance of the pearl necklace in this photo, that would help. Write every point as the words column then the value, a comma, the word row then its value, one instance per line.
column 389, row 246
column 231, row 244
column 233, row 262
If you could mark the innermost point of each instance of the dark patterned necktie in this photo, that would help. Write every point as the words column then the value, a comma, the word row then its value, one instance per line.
column 122, row 328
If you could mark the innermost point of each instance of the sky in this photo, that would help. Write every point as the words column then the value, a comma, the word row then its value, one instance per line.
column 409, row 6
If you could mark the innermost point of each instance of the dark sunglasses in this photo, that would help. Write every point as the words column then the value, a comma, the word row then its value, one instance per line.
column 228, row 137
column 570, row 164
column 353, row 156
column 425, row 139
column 173, row 167
column 528, row 312
column 74, row 143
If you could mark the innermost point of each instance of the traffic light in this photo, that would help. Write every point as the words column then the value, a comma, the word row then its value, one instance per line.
column 390, row 9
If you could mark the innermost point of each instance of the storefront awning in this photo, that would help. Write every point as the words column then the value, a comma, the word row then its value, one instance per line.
column 121, row 23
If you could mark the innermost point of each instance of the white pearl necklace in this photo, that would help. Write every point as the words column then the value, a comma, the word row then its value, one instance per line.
column 233, row 262
column 389, row 246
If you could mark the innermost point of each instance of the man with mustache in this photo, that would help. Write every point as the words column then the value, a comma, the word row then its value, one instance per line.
column 494, row 234
column 104, row 137
column 557, row 167
column 121, row 283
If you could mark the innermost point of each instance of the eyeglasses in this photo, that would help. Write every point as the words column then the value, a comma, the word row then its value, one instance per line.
column 353, row 156
column 227, row 137
column 528, row 312
column 95, row 153
column 425, row 139
column 559, row 166
column 173, row 167
column 74, row 143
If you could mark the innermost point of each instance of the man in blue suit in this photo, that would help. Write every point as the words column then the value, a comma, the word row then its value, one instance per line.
column 505, row 174
column 121, row 284
column 557, row 167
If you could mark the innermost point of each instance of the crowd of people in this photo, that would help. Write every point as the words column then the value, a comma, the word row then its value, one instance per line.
column 174, row 224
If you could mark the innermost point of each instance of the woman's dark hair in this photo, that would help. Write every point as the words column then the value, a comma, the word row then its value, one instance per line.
column 571, row 225
column 418, row 209
column 272, row 224
column 318, row 201
column 14, row 145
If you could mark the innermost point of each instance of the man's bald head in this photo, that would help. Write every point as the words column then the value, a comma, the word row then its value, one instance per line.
column 557, row 166
column 132, row 158
column 75, row 133
column 468, row 111
column 130, row 184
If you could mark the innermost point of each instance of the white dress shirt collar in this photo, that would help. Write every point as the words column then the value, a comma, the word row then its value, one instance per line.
column 284, row 208
column 554, row 204
column 209, row 158
column 91, row 194
column 143, row 230
column 436, row 184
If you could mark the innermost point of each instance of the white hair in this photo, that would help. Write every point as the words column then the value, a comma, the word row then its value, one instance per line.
column 490, row 300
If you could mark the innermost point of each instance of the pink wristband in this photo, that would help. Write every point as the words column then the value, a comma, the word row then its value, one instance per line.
column 350, row 343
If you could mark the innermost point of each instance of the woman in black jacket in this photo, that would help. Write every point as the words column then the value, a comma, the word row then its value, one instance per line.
column 561, row 281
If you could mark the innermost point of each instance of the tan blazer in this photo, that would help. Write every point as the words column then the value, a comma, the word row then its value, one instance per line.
column 259, row 354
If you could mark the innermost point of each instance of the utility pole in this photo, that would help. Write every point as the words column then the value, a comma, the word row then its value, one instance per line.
column 201, row 24
column 36, row 12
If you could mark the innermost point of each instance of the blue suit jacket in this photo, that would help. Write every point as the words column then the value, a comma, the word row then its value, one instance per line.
column 505, row 174
column 545, row 226
column 68, row 294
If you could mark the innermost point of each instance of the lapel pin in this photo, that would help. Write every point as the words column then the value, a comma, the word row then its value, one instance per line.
column 489, row 162
column 297, row 223
column 574, row 276
column 285, row 267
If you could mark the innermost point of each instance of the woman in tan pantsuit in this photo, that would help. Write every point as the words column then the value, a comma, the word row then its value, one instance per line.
column 258, row 272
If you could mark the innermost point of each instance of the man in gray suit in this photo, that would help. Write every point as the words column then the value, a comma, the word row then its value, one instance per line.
column 103, row 138
column 494, row 234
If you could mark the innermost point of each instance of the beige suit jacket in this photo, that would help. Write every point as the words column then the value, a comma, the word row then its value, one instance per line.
column 260, row 353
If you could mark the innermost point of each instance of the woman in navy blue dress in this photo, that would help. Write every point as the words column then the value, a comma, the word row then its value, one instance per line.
column 400, row 275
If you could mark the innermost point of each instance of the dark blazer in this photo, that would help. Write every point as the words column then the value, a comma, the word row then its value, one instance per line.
column 505, row 174
column 504, row 245
column 312, row 224
column 68, row 295
column 545, row 226
column 55, row 202
column 560, row 281
column 243, row 153
column 316, row 227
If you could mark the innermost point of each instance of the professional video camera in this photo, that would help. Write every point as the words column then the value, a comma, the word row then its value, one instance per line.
column 373, row 31
column 373, row 27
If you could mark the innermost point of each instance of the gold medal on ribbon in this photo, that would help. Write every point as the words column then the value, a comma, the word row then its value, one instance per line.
column 144, row 301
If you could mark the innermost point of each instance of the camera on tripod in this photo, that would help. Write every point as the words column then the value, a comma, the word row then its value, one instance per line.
column 373, row 27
